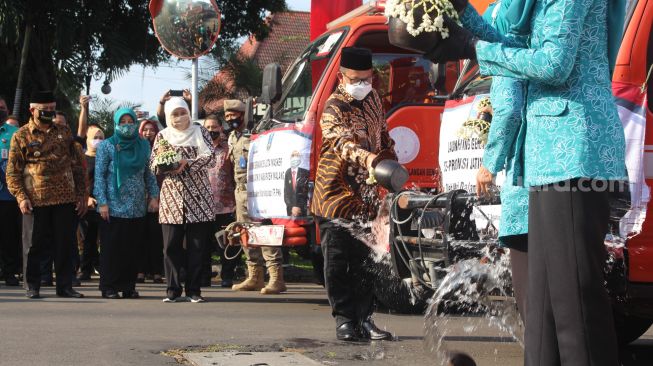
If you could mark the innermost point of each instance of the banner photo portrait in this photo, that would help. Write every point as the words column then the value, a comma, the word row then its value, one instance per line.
column 278, row 174
column 461, row 157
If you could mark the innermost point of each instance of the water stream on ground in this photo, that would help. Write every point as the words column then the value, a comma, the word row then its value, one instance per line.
column 473, row 297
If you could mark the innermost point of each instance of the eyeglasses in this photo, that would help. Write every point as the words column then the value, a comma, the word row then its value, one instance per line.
column 357, row 81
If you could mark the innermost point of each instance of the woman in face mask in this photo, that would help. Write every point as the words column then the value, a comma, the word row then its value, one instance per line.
column 150, row 258
column 89, row 260
column 187, row 209
column 122, row 179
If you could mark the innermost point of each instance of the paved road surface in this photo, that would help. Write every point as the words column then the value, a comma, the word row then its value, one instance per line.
column 55, row 331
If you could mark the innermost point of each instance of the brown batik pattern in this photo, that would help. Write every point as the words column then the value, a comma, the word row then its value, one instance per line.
column 351, row 130
column 45, row 167
column 187, row 197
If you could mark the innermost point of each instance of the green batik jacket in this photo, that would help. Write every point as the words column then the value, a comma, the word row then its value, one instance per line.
column 572, row 128
column 507, row 96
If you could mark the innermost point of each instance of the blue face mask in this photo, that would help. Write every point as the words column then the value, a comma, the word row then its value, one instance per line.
column 127, row 131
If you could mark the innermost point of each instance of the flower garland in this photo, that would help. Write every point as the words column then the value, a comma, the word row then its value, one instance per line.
column 432, row 20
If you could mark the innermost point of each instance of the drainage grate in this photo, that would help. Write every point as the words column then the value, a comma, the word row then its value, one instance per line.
column 249, row 359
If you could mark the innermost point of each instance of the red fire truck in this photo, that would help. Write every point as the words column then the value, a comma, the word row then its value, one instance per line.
column 414, row 92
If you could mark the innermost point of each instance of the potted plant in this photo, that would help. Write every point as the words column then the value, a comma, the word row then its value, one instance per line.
column 166, row 159
column 418, row 25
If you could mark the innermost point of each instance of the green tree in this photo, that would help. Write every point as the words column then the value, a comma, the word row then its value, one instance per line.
column 102, row 113
column 239, row 77
column 73, row 40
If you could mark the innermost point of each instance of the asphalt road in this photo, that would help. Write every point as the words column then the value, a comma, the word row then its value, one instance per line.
column 146, row 331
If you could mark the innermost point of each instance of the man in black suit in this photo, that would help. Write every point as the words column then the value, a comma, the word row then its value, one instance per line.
column 295, row 188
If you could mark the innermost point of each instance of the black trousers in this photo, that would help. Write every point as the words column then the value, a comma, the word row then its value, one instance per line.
column 350, row 294
column 90, row 258
column 120, row 240
column 150, row 258
column 569, row 316
column 228, row 265
column 47, row 258
column 49, row 228
column 10, row 256
column 174, row 256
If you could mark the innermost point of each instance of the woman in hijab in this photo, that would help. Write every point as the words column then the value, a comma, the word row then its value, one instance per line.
column 150, row 256
column 122, row 180
column 89, row 224
column 570, row 147
column 186, row 210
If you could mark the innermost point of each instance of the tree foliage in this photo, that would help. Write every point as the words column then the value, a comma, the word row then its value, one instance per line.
column 76, row 39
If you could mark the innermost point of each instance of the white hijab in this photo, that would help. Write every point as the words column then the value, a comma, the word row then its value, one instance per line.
column 192, row 136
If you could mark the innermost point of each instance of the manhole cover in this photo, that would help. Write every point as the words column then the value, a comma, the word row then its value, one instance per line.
column 249, row 359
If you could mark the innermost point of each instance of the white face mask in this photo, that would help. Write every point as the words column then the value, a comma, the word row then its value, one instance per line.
column 181, row 122
column 95, row 143
column 360, row 91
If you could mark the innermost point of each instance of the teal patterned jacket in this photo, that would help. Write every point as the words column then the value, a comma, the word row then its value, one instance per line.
column 572, row 128
column 507, row 96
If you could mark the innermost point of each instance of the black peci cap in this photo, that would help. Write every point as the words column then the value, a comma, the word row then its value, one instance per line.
column 42, row 97
column 356, row 58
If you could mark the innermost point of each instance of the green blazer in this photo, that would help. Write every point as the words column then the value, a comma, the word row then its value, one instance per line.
column 571, row 129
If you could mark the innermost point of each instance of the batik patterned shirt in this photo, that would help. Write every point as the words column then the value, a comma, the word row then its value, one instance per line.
column 46, row 167
column 572, row 127
column 6, row 132
column 221, row 177
column 351, row 130
column 187, row 197
column 130, row 200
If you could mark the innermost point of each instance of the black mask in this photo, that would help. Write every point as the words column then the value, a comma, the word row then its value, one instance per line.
column 3, row 116
column 231, row 124
column 47, row 117
column 215, row 134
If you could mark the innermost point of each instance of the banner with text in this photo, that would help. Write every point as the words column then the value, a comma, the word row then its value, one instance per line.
column 278, row 174
column 460, row 158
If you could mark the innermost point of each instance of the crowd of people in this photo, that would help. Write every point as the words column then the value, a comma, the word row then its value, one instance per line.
column 110, row 196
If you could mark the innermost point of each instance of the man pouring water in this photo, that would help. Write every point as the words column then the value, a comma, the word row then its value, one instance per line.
column 354, row 138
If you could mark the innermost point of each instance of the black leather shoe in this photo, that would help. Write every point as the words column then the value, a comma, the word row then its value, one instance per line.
column 370, row 331
column 84, row 276
column 11, row 280
column 346, row 332
column 32, row 294
column 110, row 295
column 227, row 283
column 130, row 295
column 69, row 293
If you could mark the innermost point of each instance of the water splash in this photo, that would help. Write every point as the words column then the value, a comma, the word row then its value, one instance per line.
column 473, row 287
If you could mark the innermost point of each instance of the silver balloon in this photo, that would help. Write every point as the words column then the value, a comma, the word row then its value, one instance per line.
column 188, row 28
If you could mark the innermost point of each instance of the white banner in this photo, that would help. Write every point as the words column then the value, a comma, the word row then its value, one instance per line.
column 460, row 158
column 275, row 189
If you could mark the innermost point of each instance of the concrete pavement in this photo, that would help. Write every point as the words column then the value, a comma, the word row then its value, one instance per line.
column 146, row 331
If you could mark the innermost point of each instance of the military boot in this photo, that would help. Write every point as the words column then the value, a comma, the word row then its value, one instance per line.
column 254, row 281
column 276, row 284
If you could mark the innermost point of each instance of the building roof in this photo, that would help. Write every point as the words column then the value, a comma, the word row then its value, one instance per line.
column 289, row 35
